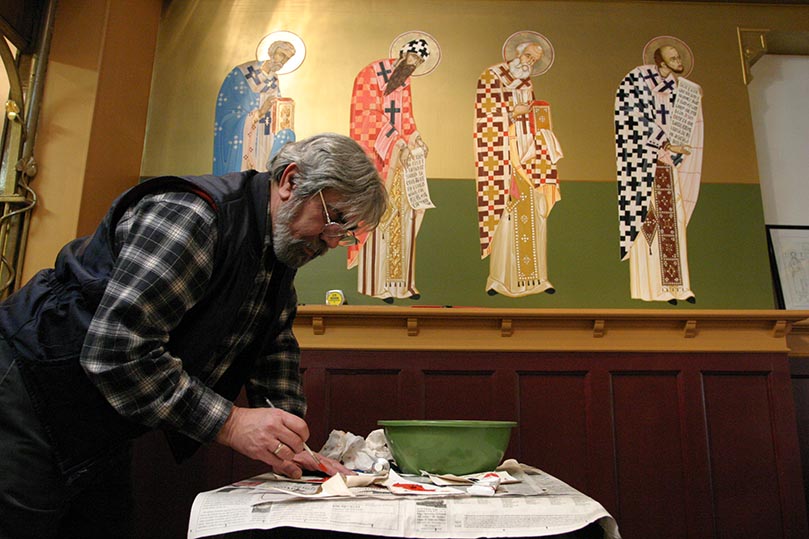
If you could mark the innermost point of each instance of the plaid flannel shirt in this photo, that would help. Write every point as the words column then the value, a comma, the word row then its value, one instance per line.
column 165, row 245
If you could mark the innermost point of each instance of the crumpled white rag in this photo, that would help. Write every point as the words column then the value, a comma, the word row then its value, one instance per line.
column 355, row 452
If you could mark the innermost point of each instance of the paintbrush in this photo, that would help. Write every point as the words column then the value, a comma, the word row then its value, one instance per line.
column 320, row 465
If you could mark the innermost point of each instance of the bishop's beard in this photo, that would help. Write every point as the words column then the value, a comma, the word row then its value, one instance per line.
column 519, row 70
column 399, row 76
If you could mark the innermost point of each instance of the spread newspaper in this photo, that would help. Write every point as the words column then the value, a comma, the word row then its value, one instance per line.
column 515, row 501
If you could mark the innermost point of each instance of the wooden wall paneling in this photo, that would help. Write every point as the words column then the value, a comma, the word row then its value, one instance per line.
column 788, row 449
column 743, row 456
column 411, row 383
column 602, row 482
column 699, row 503
column 507, row 404
column 627, row 428
column 350, row 392
column 165, row 491
column 553, row 422
column 799, row 368
column 460, row 394
column 649, row 453
column 357, row 398
column 777, row 434
column 314, row 385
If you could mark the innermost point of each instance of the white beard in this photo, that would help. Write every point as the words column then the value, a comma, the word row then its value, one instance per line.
column 289, row 250
column 518, row 70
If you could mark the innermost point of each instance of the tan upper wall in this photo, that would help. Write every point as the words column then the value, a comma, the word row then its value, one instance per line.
column 596, row 43
column 92, row 122
column 63, row 136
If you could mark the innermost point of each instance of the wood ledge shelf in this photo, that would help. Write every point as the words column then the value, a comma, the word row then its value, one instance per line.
column 348, row 327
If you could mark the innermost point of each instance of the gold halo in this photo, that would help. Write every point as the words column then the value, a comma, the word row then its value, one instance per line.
column 430, row 63
column 262, row 51
column 686, row 54
column 544, row 63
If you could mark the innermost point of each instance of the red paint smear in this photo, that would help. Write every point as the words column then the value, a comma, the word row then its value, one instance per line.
column 410, row 486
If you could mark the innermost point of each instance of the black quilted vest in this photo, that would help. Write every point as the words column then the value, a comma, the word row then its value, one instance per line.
column 45, row 322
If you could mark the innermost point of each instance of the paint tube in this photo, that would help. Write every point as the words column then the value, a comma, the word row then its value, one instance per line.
column 381, row 466
column 485, row 486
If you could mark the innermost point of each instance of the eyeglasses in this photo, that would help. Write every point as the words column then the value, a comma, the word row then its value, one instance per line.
column 333, row 229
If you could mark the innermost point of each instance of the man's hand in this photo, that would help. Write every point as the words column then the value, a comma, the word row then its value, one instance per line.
column 331, row 466
column 270, row 435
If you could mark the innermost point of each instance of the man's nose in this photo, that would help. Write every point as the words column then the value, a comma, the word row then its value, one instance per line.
column 331, row 241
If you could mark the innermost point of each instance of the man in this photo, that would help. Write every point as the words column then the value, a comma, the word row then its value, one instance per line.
column 658, row 143
column 182, row 296
column 382, row 122
column 516, row 154
column 250, row 95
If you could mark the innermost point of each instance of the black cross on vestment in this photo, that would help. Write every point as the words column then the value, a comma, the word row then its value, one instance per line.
column 667, row 86
column 392, row 110
column 663, row 112
column 651, row 75
column 383, row 72
column 266, row 121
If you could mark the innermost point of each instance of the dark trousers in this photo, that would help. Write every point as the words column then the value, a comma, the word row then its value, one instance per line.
column 35, row 500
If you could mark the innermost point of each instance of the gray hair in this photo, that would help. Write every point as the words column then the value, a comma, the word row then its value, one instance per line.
column 285, row 46
column 524, row 45
column 336, row 162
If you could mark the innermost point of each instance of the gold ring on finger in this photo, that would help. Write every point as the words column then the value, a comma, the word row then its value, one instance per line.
column 277, row 449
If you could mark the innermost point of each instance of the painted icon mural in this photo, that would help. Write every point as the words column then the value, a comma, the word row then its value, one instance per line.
column 382, row 122
column 516, row 153
column 252, row 119
column 658, row 145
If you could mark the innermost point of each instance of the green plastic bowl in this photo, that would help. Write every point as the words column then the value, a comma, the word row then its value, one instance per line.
column 447, row 446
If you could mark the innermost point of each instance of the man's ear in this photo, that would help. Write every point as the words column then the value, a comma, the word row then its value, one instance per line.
column 286, row 185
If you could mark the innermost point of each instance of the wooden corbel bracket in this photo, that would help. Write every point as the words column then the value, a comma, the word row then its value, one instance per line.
column 506, row 327
column 690, row 329
column 412, row 327
column 318, row 326
column 598, row 328
column 779, row 329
